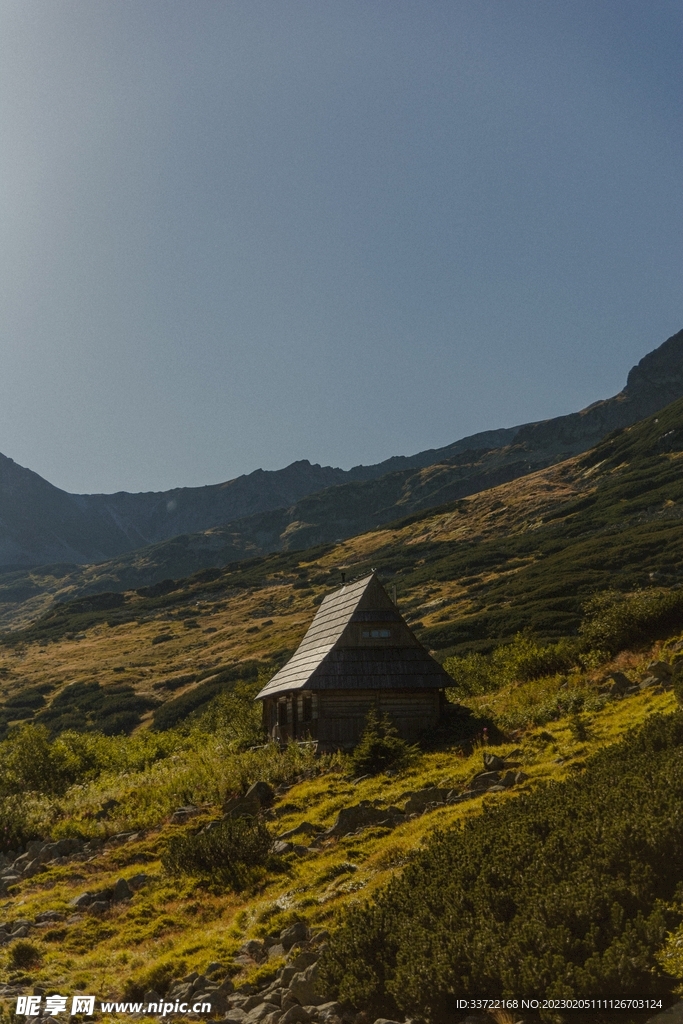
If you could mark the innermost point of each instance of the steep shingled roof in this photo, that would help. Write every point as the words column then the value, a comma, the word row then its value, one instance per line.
column 330, row 657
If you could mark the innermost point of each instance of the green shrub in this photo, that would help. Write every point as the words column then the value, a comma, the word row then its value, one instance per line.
column 225, row 853
column 615, row 621
column 568, row 891
column 678, row 682
column 380, row 747
column 23, row 954
column 518, row 662
column 16, row 825
column 30, row 761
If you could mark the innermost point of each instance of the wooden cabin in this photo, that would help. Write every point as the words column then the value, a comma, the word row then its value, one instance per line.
column 357, row 654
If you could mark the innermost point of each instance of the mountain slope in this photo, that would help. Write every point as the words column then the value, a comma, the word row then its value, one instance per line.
column 41, row 524
column 524, row 554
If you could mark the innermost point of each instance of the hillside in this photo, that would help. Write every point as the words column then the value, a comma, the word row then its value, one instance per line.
column 473, row 572
column 470, row 575
column 175, row 666
column 42, row 525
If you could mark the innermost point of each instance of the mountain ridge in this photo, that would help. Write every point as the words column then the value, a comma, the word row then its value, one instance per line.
column 41, row 524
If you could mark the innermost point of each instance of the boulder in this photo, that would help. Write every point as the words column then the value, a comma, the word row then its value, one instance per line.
column 297, row 932
column 661, row 669
column 493, row 763
column 82, row 901
column 305, row 828
column 258, row 1013
column 122, row 891
column 139, row 880
column 418, row 801
column 304, row 987
column 294, row 1014
column 364, row 815
column 484, row 780
column 252, row 948
column 182, row 815
column 331, row 1009
column 276, row 951
column 304, row 959
column 281, row 847
column 620, row 684
column 242, row 806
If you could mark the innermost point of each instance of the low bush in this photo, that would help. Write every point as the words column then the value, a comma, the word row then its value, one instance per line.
column 226, row 853
column 30, row 761
column 568, row 891
column 521, row 661
column 380, row 747
column 16, row 824
column 23, row 954
column 615, row 621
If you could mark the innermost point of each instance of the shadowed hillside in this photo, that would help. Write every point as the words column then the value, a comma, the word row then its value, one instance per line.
column 301, row 505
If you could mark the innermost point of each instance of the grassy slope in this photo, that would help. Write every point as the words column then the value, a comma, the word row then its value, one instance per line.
column 173, row 927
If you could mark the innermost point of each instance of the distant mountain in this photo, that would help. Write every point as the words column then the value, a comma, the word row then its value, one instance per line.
column 303, row 503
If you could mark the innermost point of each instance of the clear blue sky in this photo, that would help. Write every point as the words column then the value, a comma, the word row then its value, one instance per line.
column 236, row 233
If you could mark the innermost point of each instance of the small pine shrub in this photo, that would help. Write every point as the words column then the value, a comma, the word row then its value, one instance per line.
column 225, row 854
column 380, row 747
column 678, row 682
column 566, row 892
column 615, row 621
column 23, row 954
column 16, row 827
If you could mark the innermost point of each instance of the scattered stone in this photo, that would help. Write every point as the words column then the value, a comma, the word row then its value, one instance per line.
column 252, row 948
column 320, row 937
column 674, row 1015
column 305, row 828
column 280, row 847
column 242, row 807
column 295, row 1013
column 82, row 901
column 139, row 880
column 304, row 959
column 184, row 814
column 483, row 780
column 276, row 951
column 303, row 986
column 297, row 932
column 364, row 815
column 122, row 891
column 152, row 996
column 620, row 684
column 331, row 1009
column 493, row 763
column 418, row 801
column 648, row 682
column 661, row 669
column 98, row 908
column 258, row 1013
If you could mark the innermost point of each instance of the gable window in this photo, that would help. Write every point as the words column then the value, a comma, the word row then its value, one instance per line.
column 376, row 634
